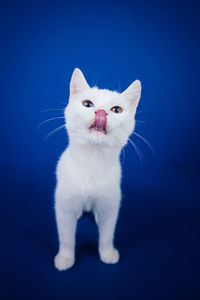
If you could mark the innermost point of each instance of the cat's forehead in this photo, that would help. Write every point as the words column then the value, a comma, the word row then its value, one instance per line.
column 102, row 96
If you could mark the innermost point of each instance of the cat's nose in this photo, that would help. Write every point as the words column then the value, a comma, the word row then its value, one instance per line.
column 101, row 112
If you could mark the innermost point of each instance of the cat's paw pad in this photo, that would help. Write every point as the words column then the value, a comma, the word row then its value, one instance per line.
column 63, row 262
column 110, row 257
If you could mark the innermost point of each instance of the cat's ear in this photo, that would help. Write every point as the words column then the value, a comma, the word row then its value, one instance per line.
column 78, row 82
column 133, row 93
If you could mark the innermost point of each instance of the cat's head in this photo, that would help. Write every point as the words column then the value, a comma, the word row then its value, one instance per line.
column 99, row 116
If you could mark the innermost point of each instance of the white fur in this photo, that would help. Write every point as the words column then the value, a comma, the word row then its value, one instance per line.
column 89, row 171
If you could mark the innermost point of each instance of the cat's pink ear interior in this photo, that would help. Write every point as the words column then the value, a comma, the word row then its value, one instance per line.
column 133, row 93
column 78, row 82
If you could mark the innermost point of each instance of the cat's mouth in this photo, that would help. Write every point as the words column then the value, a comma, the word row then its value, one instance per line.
column 100, row 121
column 98, row 129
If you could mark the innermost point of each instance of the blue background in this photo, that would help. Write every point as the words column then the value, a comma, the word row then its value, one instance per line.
column 113, row 43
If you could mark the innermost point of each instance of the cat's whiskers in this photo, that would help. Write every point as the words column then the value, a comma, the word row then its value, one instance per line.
column 60, row 127
column 142, row 122
column 53, row 131
column 48, row 120
column 53, row 109
column 145, row 141
column 138, row 151
column 136, row 148
column 142, row 110
column 63, row 103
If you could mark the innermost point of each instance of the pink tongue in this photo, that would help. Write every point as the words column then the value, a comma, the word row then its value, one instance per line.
column 100, row 120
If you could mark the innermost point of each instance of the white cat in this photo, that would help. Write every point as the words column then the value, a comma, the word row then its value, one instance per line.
column 99, row 123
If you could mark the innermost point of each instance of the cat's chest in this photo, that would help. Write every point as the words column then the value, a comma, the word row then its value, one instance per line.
column 93, row 165
column 94, row 172
column 89, row 173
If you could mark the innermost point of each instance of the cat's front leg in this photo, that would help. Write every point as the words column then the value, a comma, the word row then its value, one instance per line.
column 66, row 219
column 107, row 216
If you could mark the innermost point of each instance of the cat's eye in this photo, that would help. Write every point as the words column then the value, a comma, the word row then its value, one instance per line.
column 87, row 103
column 116, row 109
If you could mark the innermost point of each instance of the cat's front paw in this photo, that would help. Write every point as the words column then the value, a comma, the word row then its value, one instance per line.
column 63, row 262
column 110, row 257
